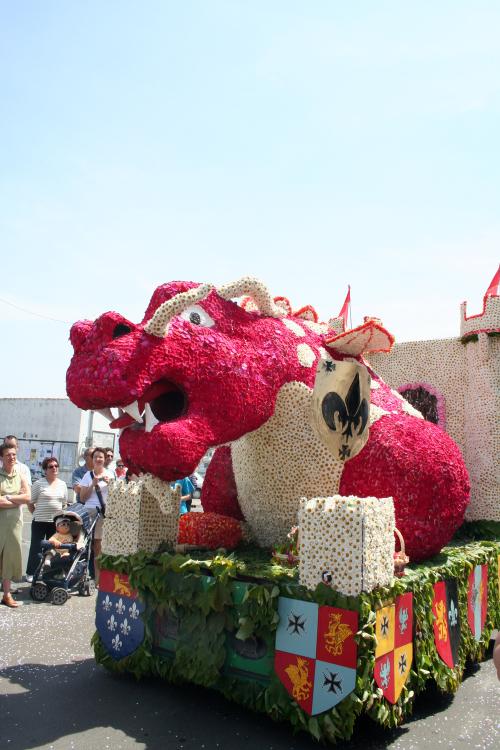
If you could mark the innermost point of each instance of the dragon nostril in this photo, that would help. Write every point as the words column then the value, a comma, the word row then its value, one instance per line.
column 79, row 333
column 121, row 330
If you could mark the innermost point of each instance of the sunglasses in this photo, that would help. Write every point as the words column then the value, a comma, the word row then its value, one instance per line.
column 52, row 466
column 120, row 466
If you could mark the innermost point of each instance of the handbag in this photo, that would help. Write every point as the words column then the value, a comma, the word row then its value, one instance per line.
column 401, row 559
column 98, row 492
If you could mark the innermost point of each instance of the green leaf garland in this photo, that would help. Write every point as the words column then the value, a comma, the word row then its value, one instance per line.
column 200, row 592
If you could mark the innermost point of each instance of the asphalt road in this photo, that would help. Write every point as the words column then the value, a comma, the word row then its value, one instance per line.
column 52, row 695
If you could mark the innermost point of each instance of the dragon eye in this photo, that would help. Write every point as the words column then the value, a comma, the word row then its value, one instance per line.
column 121, row 330
column 197, row 316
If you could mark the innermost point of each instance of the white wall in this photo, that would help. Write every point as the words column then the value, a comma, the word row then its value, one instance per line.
column 40, row 418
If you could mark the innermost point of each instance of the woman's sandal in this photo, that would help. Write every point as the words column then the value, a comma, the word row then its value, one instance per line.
column 9, row 601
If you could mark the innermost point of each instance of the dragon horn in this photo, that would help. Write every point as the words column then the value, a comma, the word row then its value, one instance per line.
column 257, row 290
column 158, row 324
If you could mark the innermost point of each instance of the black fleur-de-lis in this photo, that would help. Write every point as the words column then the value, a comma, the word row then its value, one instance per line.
column 352, row 413
column 329, row 366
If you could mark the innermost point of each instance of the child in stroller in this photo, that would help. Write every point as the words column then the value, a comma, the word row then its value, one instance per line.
column 60, row 538
column 64, row 559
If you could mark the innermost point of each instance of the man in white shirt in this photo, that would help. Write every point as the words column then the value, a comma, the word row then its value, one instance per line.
column 11, row 442
column 108, row 462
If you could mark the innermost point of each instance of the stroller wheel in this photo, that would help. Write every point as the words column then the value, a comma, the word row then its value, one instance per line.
column 59, row 596
column 39, row 591
column 90, row 588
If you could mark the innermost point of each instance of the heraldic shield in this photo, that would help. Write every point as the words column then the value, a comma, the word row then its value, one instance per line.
column 477, row 599
column 316, row 653
column 446, row 621
column 394, row 650
column 118, row 615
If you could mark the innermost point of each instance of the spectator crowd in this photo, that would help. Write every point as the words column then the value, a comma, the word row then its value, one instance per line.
column 49, row 497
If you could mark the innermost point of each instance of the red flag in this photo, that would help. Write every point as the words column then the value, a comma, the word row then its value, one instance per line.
column 492, row 290
column 344, row 311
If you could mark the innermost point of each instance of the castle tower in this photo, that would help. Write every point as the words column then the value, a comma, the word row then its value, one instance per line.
column 480, row 335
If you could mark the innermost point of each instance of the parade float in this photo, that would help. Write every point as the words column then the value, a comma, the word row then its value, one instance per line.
column 318, row 625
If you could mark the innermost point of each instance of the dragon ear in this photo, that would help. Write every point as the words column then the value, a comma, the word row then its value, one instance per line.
column 307, row 313
column 368, row 338
column 283, row 303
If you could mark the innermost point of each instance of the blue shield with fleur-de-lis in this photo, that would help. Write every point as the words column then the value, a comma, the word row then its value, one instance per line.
column 118, row 615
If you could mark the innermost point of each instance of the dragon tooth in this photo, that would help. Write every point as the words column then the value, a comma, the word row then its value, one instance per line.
column 133, row 410
column 151, row 420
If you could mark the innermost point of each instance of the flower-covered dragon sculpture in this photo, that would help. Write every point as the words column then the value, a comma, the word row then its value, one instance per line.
column 202, row 370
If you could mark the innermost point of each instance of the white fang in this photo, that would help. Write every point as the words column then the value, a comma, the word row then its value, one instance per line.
column 151, row 420
column 133, row 411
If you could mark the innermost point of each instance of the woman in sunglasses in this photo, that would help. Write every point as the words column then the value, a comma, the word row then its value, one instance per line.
column 49, row 496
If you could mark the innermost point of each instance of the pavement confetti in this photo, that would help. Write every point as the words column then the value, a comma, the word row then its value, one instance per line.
column 53, row 695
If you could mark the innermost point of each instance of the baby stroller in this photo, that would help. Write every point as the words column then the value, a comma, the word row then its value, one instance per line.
column 70, row 573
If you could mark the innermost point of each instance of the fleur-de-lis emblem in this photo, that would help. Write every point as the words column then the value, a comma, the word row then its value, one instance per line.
column 351, row 414
column 112, row 623
column 453, row 614
column 120, row 607
column 116, row 643
column 403, row 620
column 106, row 603
column 385, row 673
column 125, row 627
column 133, row 611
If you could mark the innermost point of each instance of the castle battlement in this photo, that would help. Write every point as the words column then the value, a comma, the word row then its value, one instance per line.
column 462, row 377
column 487, row 321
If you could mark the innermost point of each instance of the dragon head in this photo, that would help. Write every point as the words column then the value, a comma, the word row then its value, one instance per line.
column 198, row 371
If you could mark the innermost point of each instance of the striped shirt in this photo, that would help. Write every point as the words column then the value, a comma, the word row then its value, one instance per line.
column 48, row 499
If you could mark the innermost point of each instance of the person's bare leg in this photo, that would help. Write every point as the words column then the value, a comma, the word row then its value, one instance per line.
column 6, row 585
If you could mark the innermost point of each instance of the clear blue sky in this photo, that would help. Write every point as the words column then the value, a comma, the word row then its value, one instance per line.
column 309, row 144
